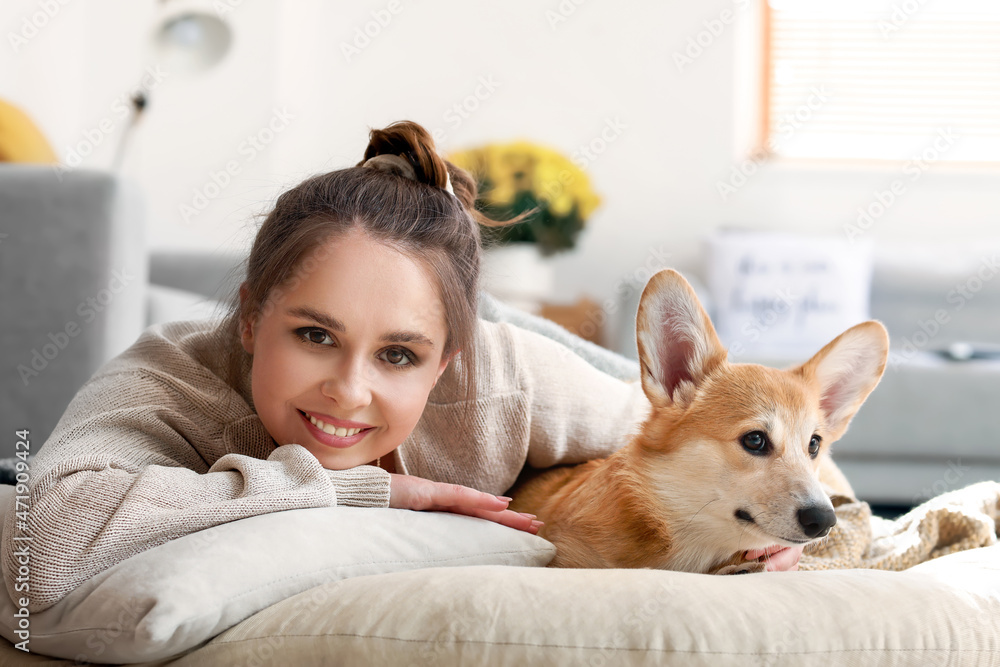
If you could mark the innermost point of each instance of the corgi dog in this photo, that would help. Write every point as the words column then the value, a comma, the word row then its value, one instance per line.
column 726, row 470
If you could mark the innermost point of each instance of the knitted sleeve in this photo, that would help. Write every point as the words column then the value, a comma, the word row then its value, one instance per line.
column 127, row 468
column 577, row 412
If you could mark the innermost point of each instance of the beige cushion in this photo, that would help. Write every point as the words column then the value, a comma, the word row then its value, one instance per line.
column 178, row 595
column 946, row 611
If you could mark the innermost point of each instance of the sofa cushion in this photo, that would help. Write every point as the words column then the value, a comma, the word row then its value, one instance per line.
column 942, row 612
column 178, row 595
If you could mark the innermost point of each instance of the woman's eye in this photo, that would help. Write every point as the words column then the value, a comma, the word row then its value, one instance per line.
column 397, row 357
column 317, row 336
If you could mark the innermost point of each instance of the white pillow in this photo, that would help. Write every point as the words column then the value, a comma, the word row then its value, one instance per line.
column 178, row 595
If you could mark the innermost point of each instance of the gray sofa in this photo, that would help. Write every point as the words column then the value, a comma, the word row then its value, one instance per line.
column 73, row 282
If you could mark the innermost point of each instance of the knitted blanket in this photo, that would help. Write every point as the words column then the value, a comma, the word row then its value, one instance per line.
column 954, row 521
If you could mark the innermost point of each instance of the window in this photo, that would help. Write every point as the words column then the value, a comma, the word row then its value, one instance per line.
column 882, row 80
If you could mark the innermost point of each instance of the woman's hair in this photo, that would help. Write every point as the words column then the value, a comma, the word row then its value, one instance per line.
column 411, row 213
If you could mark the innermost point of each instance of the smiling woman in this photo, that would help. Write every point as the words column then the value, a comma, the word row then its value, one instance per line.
column 351, row 279
column 363, row 351
column 351, row 370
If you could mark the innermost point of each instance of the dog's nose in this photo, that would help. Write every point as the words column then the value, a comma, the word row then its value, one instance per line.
column 816, row 520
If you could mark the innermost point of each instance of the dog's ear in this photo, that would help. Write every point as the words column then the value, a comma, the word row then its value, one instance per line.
column 677, row 343
column 846, row 371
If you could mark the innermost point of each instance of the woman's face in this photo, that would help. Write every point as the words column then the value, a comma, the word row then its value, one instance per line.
column 355, row 343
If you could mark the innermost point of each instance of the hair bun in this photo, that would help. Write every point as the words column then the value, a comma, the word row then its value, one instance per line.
column 407, row 149
column 394, row 164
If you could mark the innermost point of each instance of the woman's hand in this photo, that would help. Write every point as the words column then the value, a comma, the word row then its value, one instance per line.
column 786, row 560
column 778, row 558
column 416, row 493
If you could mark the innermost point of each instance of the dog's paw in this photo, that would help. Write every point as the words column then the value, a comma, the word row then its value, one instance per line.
column 748, row 567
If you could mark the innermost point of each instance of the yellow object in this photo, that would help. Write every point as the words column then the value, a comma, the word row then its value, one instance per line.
column 524, row 166
column 21, row 140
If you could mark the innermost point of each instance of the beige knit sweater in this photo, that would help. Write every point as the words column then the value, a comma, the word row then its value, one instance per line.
column 156, row 445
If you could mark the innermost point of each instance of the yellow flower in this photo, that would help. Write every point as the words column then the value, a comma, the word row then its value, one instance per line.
column 562, row 206
column 521, row 167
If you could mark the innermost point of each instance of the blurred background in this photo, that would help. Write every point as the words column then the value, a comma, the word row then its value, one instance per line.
column 807, row 165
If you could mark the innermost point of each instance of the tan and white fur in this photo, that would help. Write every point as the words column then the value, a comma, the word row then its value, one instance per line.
column 689, row 492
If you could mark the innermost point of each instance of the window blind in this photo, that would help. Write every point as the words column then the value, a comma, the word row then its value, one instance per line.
column 883, row 80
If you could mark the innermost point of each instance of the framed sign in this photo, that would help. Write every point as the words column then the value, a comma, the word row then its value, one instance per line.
column 784, row 296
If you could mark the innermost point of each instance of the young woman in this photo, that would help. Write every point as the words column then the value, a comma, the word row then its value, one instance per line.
column 352, row 370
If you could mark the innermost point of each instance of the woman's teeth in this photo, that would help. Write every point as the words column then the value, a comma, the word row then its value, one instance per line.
column 333, row 430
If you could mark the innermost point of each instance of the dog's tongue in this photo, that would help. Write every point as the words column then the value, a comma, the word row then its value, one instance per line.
column 754, row 554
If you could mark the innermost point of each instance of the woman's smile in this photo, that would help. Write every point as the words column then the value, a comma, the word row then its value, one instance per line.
column 335, row 432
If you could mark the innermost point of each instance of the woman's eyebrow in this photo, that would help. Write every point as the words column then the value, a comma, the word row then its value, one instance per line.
column 331, row 322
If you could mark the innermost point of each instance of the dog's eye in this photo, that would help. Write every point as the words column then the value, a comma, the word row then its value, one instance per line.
column 755, row 442
column 814, row 445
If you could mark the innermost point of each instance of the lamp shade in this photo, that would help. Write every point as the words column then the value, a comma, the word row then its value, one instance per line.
column 188, row 41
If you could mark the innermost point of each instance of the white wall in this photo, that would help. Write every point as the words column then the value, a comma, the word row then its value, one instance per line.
column 557, row 83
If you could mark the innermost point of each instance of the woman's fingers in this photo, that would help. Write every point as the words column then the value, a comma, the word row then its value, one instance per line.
column 454, row 495
column 416, row 493
column 786, row 560
column 509, row 518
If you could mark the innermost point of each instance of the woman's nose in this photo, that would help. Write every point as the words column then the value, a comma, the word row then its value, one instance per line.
column 349, row 384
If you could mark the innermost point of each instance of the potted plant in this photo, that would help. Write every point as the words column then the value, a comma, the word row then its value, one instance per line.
column 526, row 178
